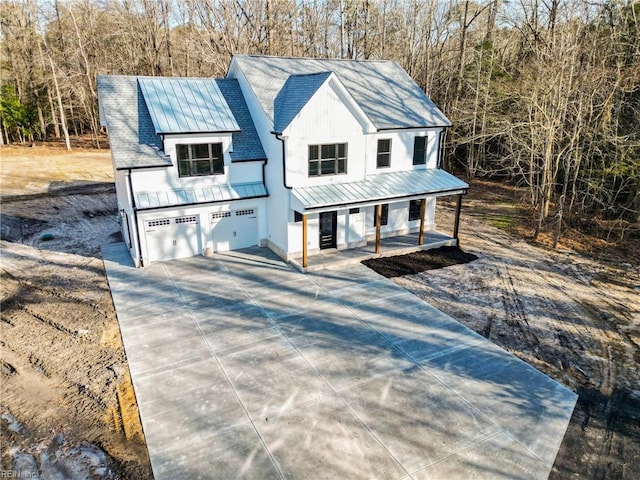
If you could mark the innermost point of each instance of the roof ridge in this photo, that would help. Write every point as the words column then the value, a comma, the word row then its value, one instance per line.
column 291, row 57
column 324, row 72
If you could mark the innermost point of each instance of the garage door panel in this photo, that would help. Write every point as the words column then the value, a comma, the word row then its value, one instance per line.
column 234, row 229
column 246, row 229
column 172, row 238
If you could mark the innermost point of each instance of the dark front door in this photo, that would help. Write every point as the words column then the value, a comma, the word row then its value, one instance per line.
column 328, row 223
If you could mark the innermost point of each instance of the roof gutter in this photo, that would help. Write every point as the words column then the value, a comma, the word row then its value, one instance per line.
column 418, row 127
column 284, row 164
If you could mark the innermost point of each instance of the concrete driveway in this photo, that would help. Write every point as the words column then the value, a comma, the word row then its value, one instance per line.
column 245, row 368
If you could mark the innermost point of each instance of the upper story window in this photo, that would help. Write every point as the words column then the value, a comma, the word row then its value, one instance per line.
column 327, row 159
column 200, row 159
column 420, row 151
column 384, row 153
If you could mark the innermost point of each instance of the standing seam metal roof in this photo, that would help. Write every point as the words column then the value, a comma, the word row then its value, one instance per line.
column 215, row 193
column 382, row 187
column 186, row 105
column 132, row 134
column 132, row 138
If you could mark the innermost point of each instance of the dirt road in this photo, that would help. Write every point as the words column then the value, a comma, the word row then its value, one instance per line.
column 574, row 318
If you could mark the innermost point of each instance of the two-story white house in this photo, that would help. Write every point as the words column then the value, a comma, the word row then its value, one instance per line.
column 295, row 154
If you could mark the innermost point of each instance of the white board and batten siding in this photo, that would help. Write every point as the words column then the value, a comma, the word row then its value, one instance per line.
column 402, row 145
column 278, row 200
column 310, row 127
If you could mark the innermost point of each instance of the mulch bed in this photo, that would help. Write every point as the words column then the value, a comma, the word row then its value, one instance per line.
column 417, row 262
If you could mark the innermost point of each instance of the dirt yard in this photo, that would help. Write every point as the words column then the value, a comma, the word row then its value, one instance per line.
column 66, row 402
column 575, row 318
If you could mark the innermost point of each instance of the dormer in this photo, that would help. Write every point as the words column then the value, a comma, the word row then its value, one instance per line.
column 194, row 121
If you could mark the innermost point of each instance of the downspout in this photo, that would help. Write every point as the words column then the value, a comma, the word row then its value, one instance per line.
column 264, row 175
column 443, row 137
column 132, row 200
column 284, row 165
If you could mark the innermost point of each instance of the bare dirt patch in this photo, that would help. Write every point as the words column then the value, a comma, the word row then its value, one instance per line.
column 574, row 317
column 416, row 262
column 65, row 394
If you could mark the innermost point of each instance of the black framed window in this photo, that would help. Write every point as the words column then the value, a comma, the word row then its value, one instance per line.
column 420, row 150
column 384, row 219
column 297, row 216
column 200, row 159
column 384, row 153
column 328, row 159
column 414, row 209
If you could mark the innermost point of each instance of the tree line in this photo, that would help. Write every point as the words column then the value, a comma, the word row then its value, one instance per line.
column 542, row 93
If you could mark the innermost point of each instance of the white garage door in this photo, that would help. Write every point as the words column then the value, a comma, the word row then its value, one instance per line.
column 235, row 229
column 171, row 238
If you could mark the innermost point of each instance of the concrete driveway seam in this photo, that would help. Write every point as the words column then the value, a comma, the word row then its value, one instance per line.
column 226, row 376
column 314, row 369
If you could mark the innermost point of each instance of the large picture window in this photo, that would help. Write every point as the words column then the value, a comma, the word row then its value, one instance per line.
column 384, row 153
column 327, row 159
column 200, row 159
column 420, row 150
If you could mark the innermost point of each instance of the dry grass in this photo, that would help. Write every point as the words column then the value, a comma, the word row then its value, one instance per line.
column 38, row 169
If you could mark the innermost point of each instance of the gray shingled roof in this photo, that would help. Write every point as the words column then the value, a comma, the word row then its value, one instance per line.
column 383, row 89
column 186, row 105
column 383, row 186
column 246, row 143
column 294, row 95
column 132, row 137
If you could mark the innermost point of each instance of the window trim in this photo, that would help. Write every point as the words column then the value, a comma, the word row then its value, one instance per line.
column 216, row 162
column 383, row 154
column 423, row 159
column 315, row 156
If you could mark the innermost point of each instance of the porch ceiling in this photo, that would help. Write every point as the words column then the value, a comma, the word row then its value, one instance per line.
column 384, row 187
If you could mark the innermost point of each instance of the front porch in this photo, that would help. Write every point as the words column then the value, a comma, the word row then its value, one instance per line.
column 390, row 246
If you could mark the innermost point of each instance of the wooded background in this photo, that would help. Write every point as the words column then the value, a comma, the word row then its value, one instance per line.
column 544, row 94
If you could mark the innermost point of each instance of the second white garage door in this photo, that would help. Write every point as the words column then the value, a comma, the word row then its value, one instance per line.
column 234, row 229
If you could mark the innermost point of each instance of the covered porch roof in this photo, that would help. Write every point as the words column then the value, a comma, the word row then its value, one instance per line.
column 195, row 196
column 380, row 188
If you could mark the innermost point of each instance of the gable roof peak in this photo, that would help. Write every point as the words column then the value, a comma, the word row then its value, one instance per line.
column 294, row 95
column 385, row 92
